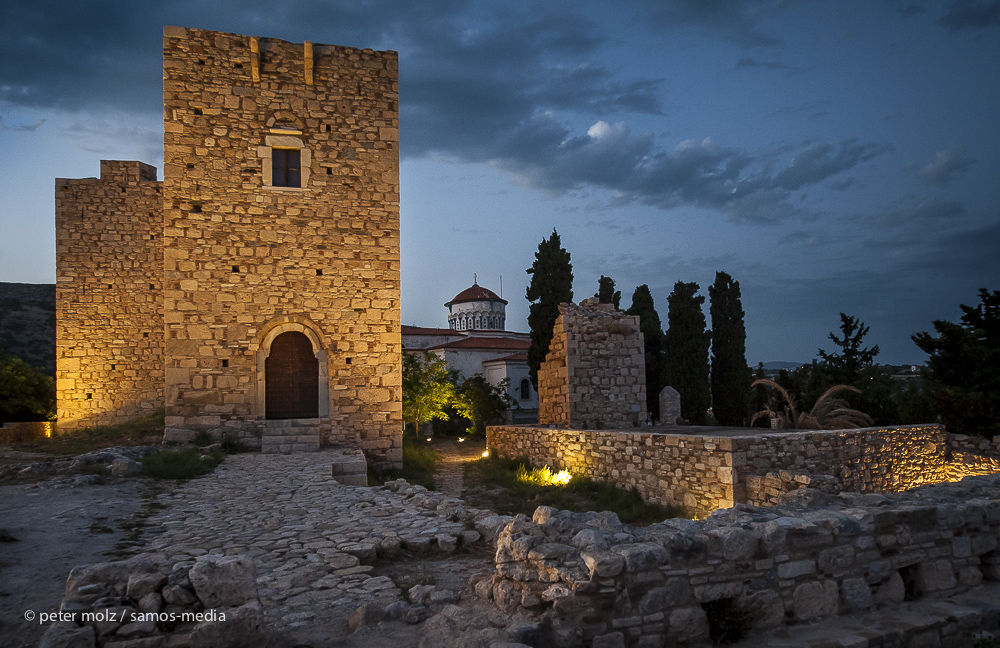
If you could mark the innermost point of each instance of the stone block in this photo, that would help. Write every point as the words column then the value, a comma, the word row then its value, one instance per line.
column 815, row 599
column 224, row 580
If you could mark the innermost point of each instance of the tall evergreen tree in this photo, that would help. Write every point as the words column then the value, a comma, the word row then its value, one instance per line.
column 685, row 345
column 551, row 284
column 652, row 334
column 962, row 377
column 845, row 367
column 606, row 292
column 730, row 373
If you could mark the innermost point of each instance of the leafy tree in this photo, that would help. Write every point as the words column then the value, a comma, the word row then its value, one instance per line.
column 429, row 388
column 484, row 402
column 652, row 334
column 685, row 346
column 730, row 373
column 845, row 367
column 551, row 285
column 606, row 292
column 962, row 377
column 26, row 393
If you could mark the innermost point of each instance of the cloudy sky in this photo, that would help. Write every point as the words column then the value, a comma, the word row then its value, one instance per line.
column 831, row 156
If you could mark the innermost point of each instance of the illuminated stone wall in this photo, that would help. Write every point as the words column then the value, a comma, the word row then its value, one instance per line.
column 596, row 581
column 594, row 375
column 718, row 467
column 244, row 259
column 109, row 300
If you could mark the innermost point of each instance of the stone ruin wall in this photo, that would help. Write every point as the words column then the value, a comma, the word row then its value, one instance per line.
column 109, row 299
column 705, row 472
column 243, row 258
column 595, row 581
column 594, row 374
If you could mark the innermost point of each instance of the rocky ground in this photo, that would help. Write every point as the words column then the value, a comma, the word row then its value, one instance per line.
column 322, row 551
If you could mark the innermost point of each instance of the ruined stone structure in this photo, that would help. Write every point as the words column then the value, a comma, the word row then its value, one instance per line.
column 273, row 263
column 594, row 581
column 109, row 295
column 704, row 469
column 594, row 374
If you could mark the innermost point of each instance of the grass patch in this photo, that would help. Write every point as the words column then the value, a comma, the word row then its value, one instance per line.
column 419, row 465
column 147, row 430
column 180, row 464
column 511, row 486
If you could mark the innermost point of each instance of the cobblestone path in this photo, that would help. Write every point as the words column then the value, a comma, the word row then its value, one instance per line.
column 314, row 540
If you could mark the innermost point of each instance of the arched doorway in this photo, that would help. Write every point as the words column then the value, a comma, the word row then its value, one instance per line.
column 292, row 378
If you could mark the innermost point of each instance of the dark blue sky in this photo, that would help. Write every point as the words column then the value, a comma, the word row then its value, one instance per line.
column 831, row 156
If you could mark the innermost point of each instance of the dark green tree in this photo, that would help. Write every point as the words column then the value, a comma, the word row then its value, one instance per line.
column 730, row 373
column 652, row 334
column 685, row 345
column 26, row 393
column 551, row 285
column 606, row 292
column 962, row 377
column 845, row 367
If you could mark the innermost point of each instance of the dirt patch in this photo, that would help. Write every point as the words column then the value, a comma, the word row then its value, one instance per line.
column 52, row 528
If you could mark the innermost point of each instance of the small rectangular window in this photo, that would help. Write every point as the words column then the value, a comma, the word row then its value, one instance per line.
column 285, row 168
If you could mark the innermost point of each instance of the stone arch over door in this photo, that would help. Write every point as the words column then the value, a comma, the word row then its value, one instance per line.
column 303, row 328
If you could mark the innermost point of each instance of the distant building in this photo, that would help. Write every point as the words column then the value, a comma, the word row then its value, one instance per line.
column 476, row 342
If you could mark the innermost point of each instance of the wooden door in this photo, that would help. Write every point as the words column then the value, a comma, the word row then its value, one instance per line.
column 291, row 378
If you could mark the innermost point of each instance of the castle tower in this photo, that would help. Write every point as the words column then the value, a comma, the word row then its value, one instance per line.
column 109, row 304
column 281, row 241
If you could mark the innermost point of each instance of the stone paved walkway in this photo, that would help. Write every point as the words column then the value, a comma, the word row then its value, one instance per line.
column 314, row 540
column 451, row 465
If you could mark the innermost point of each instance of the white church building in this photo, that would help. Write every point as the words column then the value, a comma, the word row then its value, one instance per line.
column 476, row 342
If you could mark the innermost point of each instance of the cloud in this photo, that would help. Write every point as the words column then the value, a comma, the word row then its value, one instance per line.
column 748, row 62
column 820, row 161
column 945, row 167
column 545, row 155
column 21, row 127
column 971, row 14
column 734, row 20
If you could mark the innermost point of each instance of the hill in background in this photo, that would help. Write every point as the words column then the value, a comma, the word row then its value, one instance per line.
column 28, row 323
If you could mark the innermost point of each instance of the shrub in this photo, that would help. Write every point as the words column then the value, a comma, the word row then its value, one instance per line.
column 180, row 464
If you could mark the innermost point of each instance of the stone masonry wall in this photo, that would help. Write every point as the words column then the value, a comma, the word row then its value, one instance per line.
column 702, row 471
column 244, row 259
column 865, row 460
column 109, row 300
column 594, row 581
column 594, row 375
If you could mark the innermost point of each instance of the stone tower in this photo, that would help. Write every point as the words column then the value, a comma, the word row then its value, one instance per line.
column 278, row 232
column 109, row 300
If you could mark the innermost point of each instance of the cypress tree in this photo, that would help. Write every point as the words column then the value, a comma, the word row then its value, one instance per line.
column 685, row 346
column 551, row 284
column 652, row 334
column 730, row 373
column 606, row 292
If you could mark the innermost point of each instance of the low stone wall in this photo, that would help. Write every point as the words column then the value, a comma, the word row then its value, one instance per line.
column 594, row 581
column 704, row 469
column 25, row 431
column 972, row 456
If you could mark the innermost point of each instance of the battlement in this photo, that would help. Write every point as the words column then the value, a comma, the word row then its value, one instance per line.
column 127, row 171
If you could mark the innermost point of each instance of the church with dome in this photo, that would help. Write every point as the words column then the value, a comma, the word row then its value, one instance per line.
column 477, row 342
